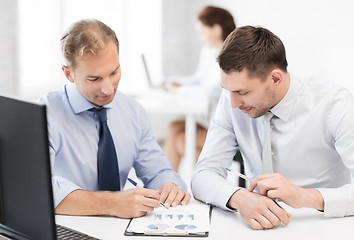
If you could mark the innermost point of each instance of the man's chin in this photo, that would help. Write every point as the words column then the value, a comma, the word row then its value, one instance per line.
column 255, row 114
column 102, row 102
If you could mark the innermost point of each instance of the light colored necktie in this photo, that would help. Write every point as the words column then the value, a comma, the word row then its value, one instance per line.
column 267, row 148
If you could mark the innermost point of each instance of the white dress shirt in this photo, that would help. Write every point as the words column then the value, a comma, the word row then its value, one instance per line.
column 312, row 140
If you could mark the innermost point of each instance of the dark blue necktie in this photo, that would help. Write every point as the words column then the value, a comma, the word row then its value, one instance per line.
column 107, row 163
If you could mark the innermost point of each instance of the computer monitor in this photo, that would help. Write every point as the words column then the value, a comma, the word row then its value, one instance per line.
column 27, row 209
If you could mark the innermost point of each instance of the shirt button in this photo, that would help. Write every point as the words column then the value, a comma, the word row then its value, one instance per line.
column 273, row 154
column 271, row 125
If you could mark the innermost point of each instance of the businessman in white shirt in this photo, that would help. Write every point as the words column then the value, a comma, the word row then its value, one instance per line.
column 310, row 155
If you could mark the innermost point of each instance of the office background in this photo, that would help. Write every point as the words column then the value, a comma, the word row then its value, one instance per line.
column 317, row 34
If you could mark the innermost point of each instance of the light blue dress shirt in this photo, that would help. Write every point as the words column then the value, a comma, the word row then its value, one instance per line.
column 73, row 142
column 312, row 141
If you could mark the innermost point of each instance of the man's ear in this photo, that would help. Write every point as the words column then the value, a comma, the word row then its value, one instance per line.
column 277, row 76
column 67, row 73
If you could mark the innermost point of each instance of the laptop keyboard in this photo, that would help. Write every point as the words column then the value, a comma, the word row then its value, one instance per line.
column 67, row 233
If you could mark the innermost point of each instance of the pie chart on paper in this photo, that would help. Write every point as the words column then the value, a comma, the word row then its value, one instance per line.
column 157, row 227
column 185, row 227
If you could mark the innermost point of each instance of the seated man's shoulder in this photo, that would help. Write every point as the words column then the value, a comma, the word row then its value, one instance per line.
column 56, row 102
column 54, row 98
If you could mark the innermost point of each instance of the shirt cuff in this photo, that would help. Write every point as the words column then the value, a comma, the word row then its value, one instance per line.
column 335, row 201
column 225, row 195
column 212, row 188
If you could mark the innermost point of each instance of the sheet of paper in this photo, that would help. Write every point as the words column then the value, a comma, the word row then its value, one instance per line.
column 175, row 220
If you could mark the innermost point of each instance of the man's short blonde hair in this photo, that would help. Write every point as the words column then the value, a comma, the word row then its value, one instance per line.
column 86, row 36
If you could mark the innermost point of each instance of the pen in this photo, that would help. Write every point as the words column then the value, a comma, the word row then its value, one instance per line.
column 240, row 175
column 136, row 185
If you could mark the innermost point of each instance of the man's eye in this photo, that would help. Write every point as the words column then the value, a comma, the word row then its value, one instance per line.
column 243, row 93
column 92, row 79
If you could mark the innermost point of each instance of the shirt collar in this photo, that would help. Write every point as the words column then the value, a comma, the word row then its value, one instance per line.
column 77, row 101
column 284, row 108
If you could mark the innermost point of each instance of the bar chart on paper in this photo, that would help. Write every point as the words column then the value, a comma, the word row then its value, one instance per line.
column 181, row 220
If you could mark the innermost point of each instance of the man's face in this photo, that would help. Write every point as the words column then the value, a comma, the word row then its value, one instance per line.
column 97, row 76
column 252, row 96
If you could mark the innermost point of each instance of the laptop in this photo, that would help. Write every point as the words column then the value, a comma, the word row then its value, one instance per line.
column 26, row 196
column 148, row 76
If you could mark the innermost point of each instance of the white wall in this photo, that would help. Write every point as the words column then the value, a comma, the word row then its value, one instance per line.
column 40, row 25
column 38, row 47
column 8, row 37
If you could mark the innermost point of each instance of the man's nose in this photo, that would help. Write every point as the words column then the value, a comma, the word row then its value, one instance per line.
column 107, row 86
column 235, row 100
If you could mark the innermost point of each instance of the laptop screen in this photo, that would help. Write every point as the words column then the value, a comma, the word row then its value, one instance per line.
column 27, row 209
column 151, row 85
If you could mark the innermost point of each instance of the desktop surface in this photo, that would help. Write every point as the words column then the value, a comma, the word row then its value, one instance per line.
column 225, row 225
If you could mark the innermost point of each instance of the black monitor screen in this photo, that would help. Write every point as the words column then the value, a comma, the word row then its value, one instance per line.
column 26, row 202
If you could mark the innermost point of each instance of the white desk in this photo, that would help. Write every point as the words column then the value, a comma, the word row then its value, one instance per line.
column 304, row 224
column 158, row 101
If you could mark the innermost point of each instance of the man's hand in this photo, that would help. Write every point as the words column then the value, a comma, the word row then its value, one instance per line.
column 277, row 186
column 172, row 195
column 258, row 211
column 135, row 202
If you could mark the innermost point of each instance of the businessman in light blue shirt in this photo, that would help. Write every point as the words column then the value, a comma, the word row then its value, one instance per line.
column 91, row 52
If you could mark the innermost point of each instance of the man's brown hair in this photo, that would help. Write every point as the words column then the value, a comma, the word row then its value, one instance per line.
column 255, row 48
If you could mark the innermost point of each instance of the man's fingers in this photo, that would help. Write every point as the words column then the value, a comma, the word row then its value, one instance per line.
column 262, row 178
column 266, row 185
column 264, row 222
column 272, row 194
column 255, row 224
column 180, row 195
column 147, row 209
column 283, row 216
column 152, row 203
column 269, row 219
column 147, row 197
column 171, row 196
column 186, row 198
column 148, row 193
column 253, row 184
column 164, row 194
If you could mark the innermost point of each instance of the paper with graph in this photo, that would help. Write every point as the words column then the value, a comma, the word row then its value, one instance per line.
column 180, row 220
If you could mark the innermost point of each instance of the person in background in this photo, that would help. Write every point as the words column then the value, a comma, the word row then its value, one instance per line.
column 215, row 24
column 296, row 136
column 97, row 134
